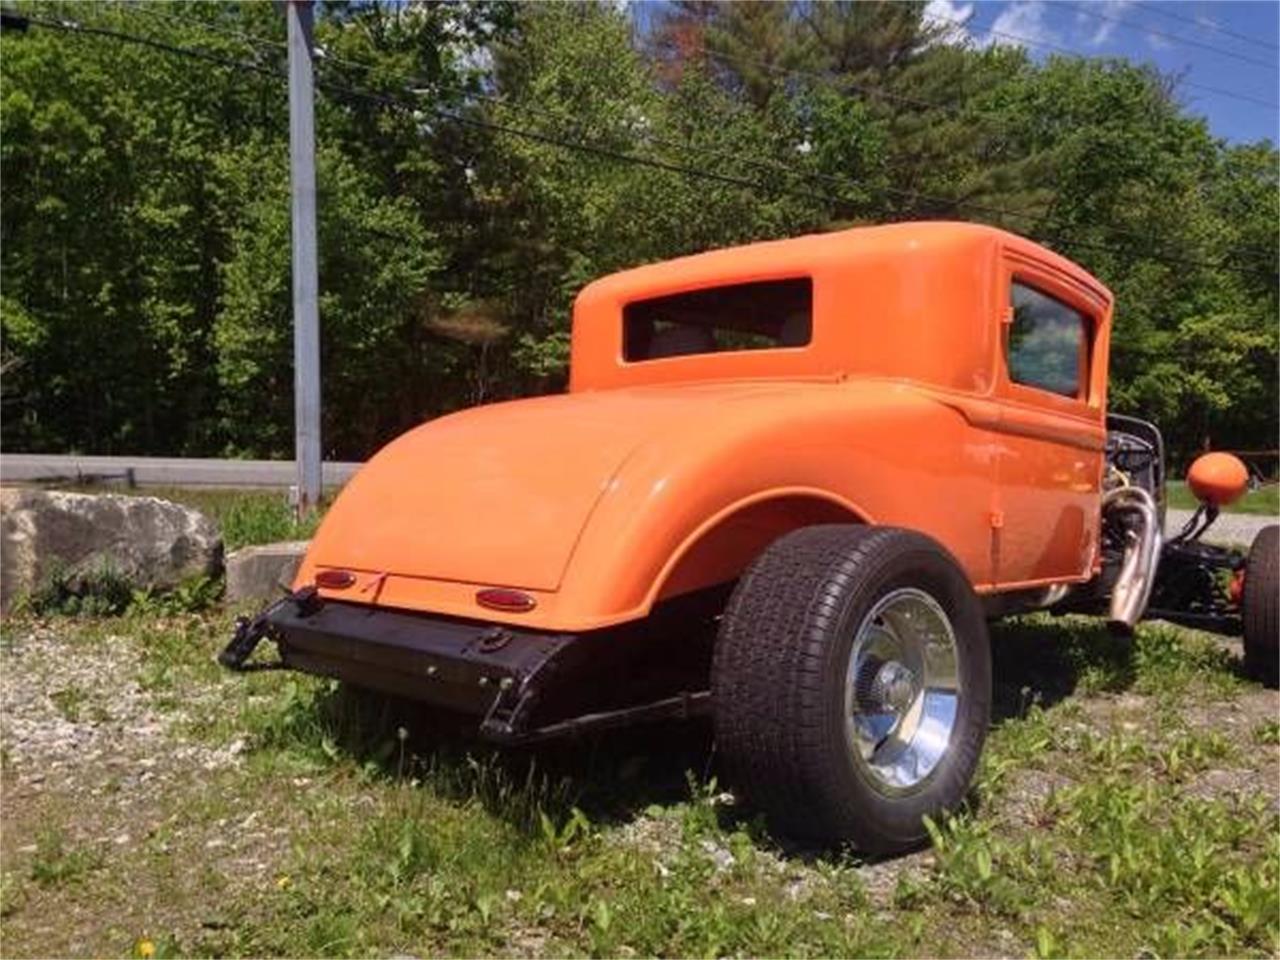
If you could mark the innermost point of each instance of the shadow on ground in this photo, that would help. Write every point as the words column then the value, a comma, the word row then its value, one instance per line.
column 1041, row 661
column 612, row 776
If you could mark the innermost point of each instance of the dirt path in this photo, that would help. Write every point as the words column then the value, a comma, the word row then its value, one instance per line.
column 1229, row 528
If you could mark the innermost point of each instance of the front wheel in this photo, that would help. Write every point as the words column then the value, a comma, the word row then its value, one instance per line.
column 1258, row 607
column 852, row 685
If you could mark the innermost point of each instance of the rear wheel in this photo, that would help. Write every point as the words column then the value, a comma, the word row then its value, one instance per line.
column 1258, row 607
column 852, row 685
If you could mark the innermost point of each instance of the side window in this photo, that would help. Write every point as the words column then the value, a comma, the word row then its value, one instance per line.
column 1048, row 343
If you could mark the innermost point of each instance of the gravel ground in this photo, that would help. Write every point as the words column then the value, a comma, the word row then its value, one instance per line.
column 1229, row 528
column 126, row 830
column 87, row 758
column 76, row 715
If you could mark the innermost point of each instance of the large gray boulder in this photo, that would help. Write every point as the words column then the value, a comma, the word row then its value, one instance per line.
column 145, row 540
column 263, row 572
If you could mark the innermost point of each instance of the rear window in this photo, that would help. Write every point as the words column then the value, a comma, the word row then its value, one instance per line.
column 742, row 316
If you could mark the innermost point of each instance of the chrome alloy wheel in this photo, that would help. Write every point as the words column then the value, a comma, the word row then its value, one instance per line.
column 902, row 688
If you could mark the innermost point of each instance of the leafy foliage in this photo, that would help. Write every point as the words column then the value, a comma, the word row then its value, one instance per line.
column 103, row 592
column 147, row 297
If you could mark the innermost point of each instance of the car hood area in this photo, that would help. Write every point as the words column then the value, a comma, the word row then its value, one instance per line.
column 499, row 494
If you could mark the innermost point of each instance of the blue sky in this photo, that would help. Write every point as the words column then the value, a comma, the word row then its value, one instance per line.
column 1229, row 45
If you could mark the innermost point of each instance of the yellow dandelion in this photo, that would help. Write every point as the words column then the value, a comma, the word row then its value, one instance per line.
column 283, row 882
column 145, row 949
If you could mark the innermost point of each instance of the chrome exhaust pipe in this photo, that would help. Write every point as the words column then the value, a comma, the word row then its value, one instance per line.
column 1132, row 590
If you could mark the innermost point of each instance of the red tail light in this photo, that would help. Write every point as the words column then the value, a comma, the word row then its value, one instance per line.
column 509, row 601
column 335, row 579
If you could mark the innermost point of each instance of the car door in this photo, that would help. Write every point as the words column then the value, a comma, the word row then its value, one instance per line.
column 1050, row 436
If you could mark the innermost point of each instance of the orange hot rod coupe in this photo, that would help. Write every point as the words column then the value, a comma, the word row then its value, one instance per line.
column 788, row 485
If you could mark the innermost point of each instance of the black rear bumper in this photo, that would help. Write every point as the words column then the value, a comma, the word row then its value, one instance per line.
column 521, row 684
column 470, row 667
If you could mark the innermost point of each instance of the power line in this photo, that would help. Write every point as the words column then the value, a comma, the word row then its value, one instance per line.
column 533, row 135
column 414, row 106
column 705, row 174
column 879, row 93
column 596, row 149
column 1083, row 8
column 152, row 9
column 76, row 27
column 771, row 166
column 1152, row 8
column 1067, row 51
column 845, row 85
column 915, row 197
column 840, row 86
column 912, row 198
column 331, row 58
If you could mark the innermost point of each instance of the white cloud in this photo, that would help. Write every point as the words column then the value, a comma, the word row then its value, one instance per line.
column 953, row 17
column 1021, row 22
column 1027, row 23
column 1100, row 31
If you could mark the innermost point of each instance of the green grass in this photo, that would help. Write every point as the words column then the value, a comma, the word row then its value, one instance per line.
column 385, row 830
column 247, row 516
column 69, row 701
column 103, row 592
column 1264, row 501
column 56, row 862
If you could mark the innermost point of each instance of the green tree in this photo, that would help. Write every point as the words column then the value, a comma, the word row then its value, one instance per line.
column 753, row 46
column 479, row 162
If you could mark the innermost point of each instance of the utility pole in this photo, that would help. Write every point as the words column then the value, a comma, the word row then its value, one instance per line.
column 306, row 321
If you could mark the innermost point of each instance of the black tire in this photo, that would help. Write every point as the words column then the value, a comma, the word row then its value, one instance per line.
column 1258, row 607
column 779, row 676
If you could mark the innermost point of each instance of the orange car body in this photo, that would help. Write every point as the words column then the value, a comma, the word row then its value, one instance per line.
column 652, row 479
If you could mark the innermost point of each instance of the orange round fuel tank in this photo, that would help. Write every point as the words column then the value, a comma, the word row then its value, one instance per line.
column 1218, row 478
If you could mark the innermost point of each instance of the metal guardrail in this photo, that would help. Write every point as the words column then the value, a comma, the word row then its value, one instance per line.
column 161, row 471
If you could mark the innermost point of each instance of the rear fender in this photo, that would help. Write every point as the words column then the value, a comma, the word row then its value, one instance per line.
column 692, row 511
column 694, row 507
column 667, row 559
column 722, row 548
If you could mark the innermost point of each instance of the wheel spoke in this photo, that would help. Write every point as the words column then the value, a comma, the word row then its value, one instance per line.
column 902, row 690
column 874, row 729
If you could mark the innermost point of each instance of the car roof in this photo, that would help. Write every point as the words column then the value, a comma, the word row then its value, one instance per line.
column 770, row 258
